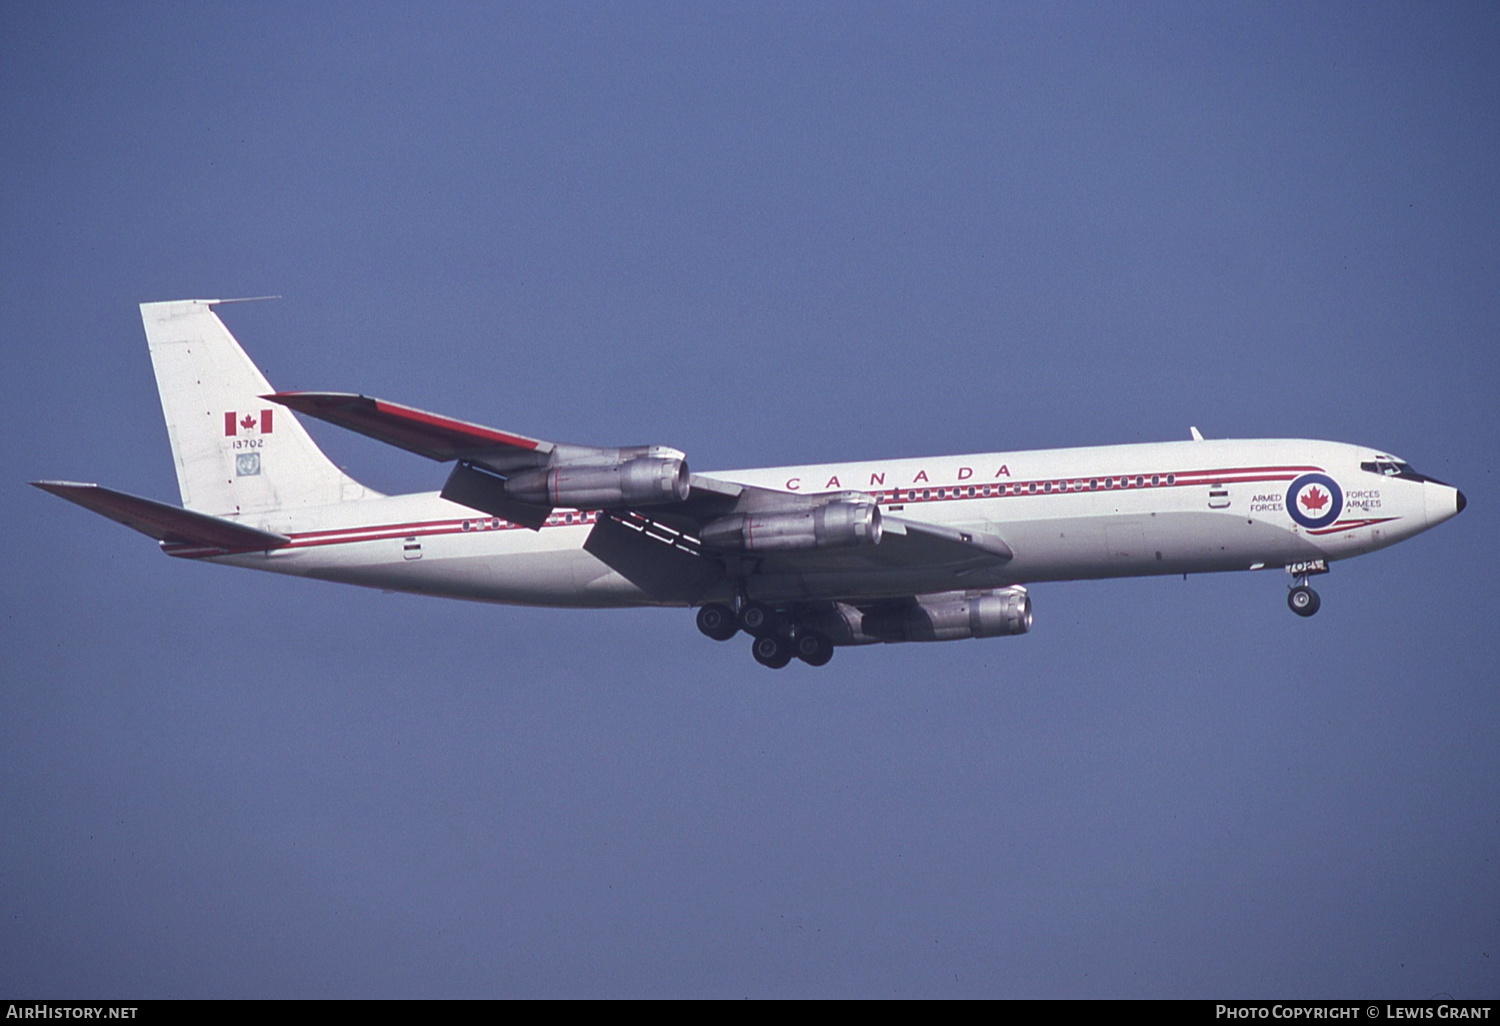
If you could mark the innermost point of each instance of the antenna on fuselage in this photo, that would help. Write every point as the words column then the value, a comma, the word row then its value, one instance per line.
column 1197, row 435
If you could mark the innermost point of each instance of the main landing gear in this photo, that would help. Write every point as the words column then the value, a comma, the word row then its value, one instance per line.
column 718, row 622
column 777, row 636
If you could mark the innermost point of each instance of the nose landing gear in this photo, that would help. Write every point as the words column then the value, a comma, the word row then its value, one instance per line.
column 1303, row 600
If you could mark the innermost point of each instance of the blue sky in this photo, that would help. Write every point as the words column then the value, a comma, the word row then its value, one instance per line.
column 763, row 234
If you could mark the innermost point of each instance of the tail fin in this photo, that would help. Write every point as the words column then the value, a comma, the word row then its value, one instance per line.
column 235, row 452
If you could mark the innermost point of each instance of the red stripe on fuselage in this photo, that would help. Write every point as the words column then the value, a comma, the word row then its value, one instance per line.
column 1070, row 485
column 1351, row 525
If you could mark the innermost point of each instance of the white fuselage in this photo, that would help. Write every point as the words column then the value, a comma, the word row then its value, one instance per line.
column 1067, row 514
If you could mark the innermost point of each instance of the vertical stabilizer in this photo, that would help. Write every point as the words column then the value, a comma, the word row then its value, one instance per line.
column 235, row 452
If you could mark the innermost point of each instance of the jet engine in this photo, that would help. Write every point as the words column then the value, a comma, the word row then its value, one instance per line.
column 951, row 615
column 645, row 481
column 830, row 526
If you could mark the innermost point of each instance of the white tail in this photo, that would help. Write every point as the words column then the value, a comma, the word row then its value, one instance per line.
column 235, row 452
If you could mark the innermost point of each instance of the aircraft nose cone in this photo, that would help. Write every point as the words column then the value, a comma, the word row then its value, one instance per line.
column 1461, row 501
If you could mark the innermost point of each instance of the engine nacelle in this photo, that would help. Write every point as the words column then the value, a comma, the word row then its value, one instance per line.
column 951, row 615
column 831, row 526
column 645, row 481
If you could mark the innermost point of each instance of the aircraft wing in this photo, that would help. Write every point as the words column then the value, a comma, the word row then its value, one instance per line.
column 165, row 523
column 922, row 544
column 904, row 542
column 660, row 553
column 657, row 544
column 488, row 459
column 426, row 434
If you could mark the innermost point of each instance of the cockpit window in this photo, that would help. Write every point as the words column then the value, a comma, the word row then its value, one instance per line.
column 1386, row 466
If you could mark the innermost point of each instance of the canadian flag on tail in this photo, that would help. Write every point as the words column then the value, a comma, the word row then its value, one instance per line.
column 234, row 422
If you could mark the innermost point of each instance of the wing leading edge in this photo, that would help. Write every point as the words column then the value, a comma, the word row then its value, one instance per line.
column 426, row 434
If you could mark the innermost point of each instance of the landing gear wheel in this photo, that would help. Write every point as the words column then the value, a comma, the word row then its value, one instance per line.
column 773, row 651
column 758, row 620
column 1303, row 600
column 718, row 622
column 813, row 648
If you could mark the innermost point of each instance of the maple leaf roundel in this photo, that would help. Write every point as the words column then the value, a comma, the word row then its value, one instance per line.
column 1314, row 500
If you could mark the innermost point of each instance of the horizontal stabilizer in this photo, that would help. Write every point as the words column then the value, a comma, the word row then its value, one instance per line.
column 426, row 434
column 161, row 521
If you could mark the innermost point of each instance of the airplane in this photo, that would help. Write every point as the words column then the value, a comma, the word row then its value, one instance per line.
column 801, row 559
